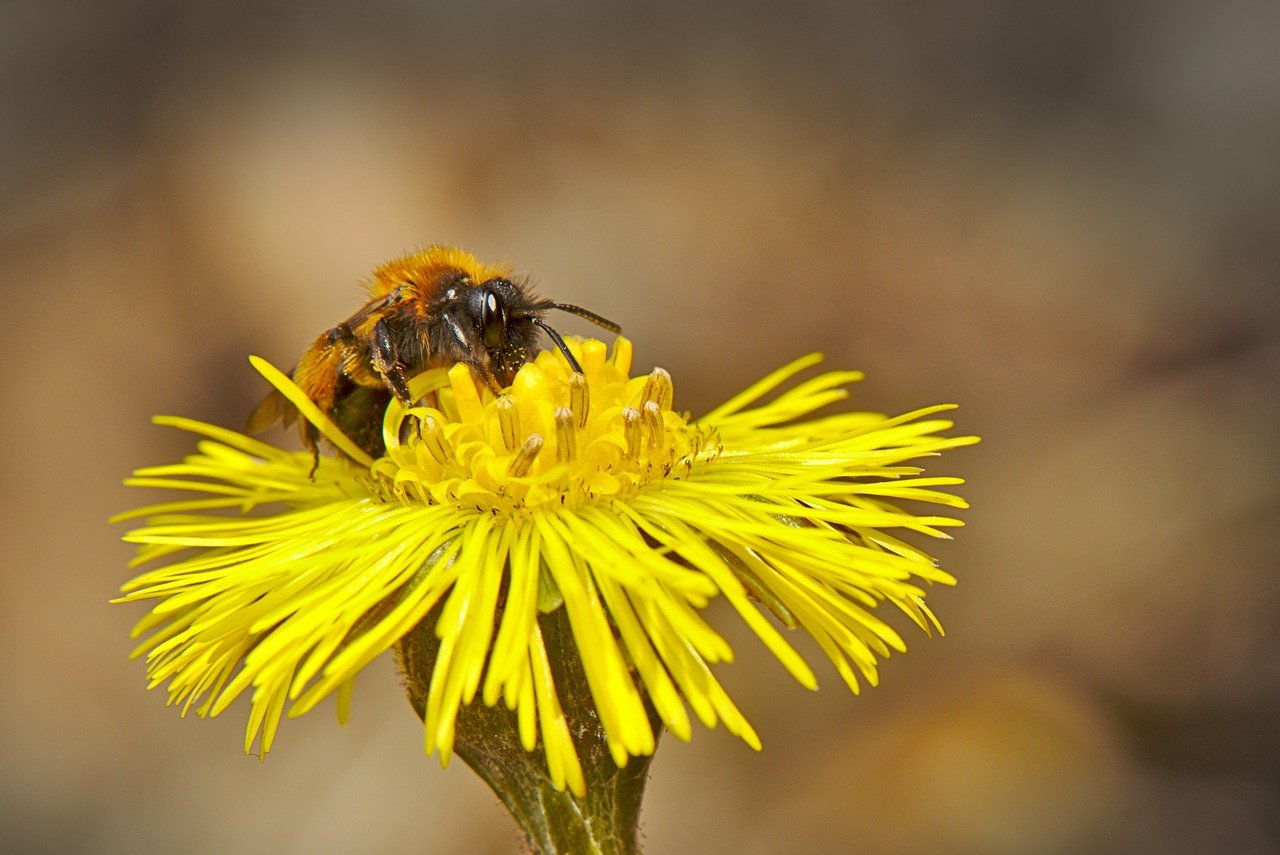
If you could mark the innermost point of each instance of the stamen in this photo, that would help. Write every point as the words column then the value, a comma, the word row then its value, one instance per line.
column 653, row 421
column 631, row 430
column 508, row 421
column 658, row 388
column 433, row 438
column 566, row 436
column 519, row 465
column 579, row 399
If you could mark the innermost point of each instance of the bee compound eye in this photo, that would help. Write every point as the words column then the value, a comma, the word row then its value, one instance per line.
column 493, row 320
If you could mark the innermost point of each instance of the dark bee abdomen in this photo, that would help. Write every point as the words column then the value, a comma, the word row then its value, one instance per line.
column 358, row 411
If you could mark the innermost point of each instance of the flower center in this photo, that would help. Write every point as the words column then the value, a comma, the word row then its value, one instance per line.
column 552, row 437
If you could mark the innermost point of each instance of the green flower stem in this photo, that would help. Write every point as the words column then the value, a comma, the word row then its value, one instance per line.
column 606, row 819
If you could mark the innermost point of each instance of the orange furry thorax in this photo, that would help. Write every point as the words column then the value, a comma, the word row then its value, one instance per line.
column 424, row 271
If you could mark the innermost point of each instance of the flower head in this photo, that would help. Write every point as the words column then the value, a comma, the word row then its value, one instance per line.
column 587, row 493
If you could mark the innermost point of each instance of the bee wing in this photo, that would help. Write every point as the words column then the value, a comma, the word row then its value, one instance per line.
column 274, row 408
column 375, row 305
column 319, row 369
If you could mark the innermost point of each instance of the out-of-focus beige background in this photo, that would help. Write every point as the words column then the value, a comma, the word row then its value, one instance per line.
column 1061, row 216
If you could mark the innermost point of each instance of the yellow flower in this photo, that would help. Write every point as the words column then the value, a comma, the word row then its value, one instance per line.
column 587, row 493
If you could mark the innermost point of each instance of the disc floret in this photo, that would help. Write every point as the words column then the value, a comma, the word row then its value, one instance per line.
column 554, row 438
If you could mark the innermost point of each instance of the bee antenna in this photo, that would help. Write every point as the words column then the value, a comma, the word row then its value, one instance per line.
column 564, row 348
column 604, row 323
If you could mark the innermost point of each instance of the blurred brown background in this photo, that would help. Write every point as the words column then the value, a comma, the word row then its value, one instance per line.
column 1062, row 217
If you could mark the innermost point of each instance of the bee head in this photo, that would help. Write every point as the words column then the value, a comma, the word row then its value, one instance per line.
column 506, row 323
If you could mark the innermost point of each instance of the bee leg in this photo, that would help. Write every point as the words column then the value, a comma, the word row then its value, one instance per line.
column 310, row 437
column 387, row 362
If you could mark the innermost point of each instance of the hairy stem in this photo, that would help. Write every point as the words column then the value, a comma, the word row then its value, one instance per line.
column 606, row 818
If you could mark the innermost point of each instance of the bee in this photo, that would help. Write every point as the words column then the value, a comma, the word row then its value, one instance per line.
column 427, row 310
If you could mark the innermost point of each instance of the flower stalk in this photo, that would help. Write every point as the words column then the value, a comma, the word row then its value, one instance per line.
column 604, row 820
